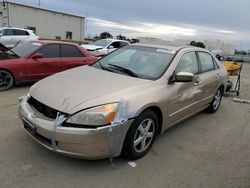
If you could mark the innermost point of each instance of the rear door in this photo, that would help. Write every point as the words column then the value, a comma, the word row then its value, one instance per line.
column 20, row 35
column 209, row 77
column 43, row 67
column 71, row 57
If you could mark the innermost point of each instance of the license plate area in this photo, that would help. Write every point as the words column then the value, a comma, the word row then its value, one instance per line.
column 29, row 127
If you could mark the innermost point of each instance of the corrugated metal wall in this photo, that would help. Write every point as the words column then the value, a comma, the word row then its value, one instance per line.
column 48, row 24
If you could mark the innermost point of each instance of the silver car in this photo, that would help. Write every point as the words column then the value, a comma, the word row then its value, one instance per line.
column 119, row 104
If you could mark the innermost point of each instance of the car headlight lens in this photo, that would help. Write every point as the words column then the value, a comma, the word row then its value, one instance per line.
column 101, row 115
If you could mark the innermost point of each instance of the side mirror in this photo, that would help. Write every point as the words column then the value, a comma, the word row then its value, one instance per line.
column 1, row 34
column 181, row 77
column 111, row 47
column 184, row 77
column 37, row 56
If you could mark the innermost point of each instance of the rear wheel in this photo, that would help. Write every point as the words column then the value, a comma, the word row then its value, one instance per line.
column 214, row 105
column 6, row 80
column 140, row 136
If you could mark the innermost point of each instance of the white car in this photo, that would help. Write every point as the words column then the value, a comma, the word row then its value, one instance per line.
column 11, row 36
column 105, row 46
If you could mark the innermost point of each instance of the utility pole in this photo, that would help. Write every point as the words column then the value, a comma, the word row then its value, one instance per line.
column 39, row 3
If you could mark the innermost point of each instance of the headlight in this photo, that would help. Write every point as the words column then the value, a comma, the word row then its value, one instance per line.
column 101, row 115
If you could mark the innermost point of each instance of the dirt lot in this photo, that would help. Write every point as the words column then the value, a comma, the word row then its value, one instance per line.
column 204, row 151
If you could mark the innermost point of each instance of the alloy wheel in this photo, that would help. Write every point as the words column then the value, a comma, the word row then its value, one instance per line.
column 6, row 80
column 144, row 135
column 217, row 99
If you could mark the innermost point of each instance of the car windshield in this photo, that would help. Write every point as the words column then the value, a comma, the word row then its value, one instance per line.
column 102, row 43
column 25, row 48
column 142, row 62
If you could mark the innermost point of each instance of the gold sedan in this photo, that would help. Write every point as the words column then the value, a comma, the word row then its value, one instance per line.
column 119, row 104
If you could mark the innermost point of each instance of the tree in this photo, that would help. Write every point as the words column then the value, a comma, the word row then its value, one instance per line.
column 193, row 43
column 105, row 35
column 198, row 44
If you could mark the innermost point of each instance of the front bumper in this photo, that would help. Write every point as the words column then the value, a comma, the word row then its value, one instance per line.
column 93, row 143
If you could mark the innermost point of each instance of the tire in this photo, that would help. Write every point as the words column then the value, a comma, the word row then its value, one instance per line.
column 141, row 135
column 215, row 104
column 6, row 80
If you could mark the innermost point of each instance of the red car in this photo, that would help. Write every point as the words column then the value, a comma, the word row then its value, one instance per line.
column 32, row 61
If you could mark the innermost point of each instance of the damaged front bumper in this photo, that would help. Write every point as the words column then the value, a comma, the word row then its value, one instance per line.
column 85, row 143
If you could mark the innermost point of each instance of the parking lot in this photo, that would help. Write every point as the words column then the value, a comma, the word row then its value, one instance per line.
column 207, row 150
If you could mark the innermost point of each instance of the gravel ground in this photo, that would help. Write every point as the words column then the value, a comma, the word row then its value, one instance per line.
column 207, row 150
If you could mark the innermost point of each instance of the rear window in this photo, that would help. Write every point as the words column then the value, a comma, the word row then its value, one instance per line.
column 70, row 51
column 20, row 32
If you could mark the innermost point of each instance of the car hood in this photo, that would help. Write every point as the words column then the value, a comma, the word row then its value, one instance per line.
column 3, row 48
column 92, row 47
column 66, row 90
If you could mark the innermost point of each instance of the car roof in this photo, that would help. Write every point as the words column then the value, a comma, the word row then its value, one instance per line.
column 167, row 47
column 9, row 27
column 113, row 40
column 54, row 41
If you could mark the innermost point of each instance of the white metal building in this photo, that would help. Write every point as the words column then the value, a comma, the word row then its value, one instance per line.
column 220, row 45
column 47, row 24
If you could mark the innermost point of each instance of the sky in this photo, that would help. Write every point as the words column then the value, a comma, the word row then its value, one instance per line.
column 227, row 20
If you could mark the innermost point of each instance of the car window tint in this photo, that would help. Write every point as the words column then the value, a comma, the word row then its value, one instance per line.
column 188, row 63
column 8, row 32
column 123, row 44
column 115, row 44
column 50, row 51
column 216, row 64
column 207, row 63
column 70, row 51
column 20, row 32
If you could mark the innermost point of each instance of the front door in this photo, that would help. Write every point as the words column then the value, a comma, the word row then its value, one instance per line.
column 42, row 67
column 185, row 96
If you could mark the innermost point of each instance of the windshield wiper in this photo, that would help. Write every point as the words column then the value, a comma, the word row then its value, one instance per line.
column 123, row 69
column 103, row 67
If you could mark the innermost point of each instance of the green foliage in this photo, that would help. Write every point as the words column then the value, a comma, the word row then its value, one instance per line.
column 197, row 44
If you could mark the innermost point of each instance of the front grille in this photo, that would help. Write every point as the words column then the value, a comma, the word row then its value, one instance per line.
column 44, row 109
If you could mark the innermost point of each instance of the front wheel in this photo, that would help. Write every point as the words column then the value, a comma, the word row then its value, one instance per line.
column 141, row 135
column 6, row 80
column 214, row 105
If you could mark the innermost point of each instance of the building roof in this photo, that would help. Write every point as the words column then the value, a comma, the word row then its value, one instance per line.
column 44, row 9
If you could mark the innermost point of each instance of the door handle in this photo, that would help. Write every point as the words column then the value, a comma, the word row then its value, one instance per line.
column 218, row 76
column 197, row 83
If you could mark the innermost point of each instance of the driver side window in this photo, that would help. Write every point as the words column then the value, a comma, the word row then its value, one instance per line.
column 115, row 44
column 188, row 63
column 50, row 51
